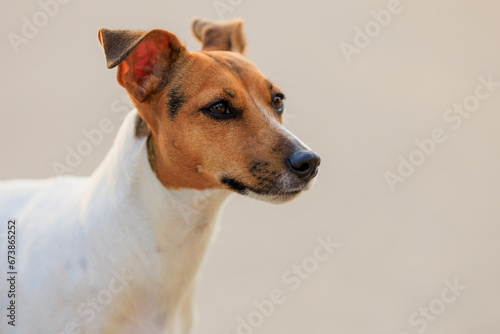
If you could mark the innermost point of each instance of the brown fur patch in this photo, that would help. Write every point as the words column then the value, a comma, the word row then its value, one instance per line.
column 151, row 154
column 141, row 128
column 192, row 149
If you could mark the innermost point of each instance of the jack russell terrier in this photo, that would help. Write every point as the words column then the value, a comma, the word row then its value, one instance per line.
column 118, row 252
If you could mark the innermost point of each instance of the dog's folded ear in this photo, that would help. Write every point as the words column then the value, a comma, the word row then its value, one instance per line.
column 143, row 58
column 220, row 35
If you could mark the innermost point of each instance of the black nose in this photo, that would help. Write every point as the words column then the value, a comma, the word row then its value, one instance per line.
column 304, row 164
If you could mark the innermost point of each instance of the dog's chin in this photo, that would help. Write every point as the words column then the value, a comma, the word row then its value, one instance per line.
column 279, row 193
column 275, row 198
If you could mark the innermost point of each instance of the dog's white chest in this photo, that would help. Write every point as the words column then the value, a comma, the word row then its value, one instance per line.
column 113, row 253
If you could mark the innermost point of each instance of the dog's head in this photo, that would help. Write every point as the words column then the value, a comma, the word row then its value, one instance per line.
column 211, row 118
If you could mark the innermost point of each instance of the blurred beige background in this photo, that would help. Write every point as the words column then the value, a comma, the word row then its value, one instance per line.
column 397, row 247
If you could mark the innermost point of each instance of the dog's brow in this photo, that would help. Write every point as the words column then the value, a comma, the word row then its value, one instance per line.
column 272, row 88
column 270, row 84
column 229, row 93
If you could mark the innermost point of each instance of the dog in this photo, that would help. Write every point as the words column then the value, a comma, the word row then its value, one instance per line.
column 118, row 252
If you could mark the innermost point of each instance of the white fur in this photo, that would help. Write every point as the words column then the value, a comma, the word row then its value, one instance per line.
column 117, row 233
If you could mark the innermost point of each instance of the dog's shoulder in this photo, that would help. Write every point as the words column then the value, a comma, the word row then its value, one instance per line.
column 18, row 195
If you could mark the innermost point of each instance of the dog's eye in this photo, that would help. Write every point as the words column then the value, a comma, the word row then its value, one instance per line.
column 278, row 104
column 220, row 110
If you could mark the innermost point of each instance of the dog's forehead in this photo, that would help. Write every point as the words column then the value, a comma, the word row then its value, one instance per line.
column 232, row 62
column 211, row 75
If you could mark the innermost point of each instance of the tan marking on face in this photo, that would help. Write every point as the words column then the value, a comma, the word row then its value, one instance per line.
column 192, row 150
column 188, row 146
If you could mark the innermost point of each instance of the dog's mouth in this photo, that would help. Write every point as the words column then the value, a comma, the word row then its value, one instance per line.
column 275, row 183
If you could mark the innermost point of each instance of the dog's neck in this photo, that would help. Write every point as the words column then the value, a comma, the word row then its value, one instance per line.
column 163, row 233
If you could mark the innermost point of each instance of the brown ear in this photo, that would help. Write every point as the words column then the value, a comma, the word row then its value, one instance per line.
column 220, row 35
column 143, row 58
